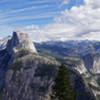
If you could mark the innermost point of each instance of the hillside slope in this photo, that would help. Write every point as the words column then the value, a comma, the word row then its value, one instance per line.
column 26, row 75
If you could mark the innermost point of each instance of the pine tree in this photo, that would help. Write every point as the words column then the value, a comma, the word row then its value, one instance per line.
column 62, row 89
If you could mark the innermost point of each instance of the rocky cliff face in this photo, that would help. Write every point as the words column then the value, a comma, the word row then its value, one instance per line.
column 3, row 42
column 4, row 62
column 20, row 40
column 10, row 46
column 92, row 62
column 76, row 63
column 80, row 67
column 88, row 63
column 29, row 76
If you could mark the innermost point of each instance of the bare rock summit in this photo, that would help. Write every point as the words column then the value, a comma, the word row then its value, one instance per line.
column 20, row 40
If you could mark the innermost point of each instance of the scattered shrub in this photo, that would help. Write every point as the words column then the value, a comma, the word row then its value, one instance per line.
column 94, row 87
column 16, row 66
column 45, row 70
column 23, row 52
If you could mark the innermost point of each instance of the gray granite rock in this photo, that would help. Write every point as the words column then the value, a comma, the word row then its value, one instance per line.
column 20, row 40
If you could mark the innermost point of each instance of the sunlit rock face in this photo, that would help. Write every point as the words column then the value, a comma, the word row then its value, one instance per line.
column 9, row 47
column 3, row 42
column 96, row 66
column 92, row 62
column 33, row 79
column 20, row 40
column 80, row 67
column 76, row 63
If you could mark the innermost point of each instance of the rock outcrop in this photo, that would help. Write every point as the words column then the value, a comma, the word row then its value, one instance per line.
column 31, row 78
column 9, row 47
column 20, row 40
column 3, row 42
column 76, row 63
column 25, row 75
column 92, row 62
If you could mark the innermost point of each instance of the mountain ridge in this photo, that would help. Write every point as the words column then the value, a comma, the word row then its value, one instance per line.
column 28, row 75
column 20, row 40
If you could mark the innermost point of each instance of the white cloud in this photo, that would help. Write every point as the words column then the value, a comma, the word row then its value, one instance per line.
column 65, row 2
column 93, row 3
column 77, row 23
column 27, row 9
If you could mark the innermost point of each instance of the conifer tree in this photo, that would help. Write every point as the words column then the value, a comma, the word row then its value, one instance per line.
column 62, row 89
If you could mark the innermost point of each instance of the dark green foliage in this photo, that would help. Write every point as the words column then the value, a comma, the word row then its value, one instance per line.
column 16, row 66
column 45, row 70
column 94, row 87
column 23, row 52
column 40, row 89
column 1, row 97
column 1, row 90
column 98, row 96
column 98, row 80
column 62, row 89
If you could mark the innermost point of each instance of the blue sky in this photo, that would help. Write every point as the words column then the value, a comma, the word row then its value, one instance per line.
column 15, row 14
column 47, row 20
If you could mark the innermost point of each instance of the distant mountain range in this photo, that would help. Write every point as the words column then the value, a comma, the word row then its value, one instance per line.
column 68, row 48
